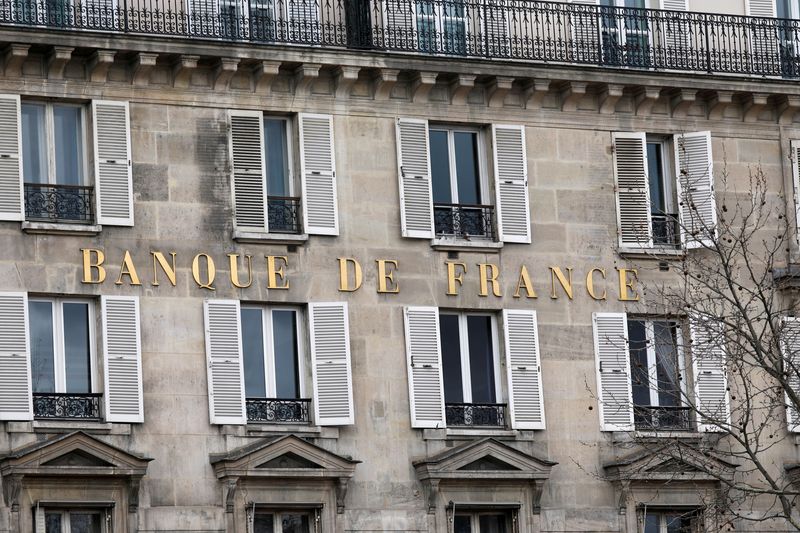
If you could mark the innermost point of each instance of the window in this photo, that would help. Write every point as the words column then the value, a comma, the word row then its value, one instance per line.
column 670, row 521
column 663, row 212
column 482, row 522
column 625, row 34
column 75, row 521
column 442, row 28
column 282, row 204
column 286, row 522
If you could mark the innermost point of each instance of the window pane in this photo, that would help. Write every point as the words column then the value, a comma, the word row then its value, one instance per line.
column 481, row 359
column 52, row 522
column 253, row 352
column 277, row 154
column 34, row 144
column 461, row 524
column 84, row 522
column 68, row 133
column 43, row 375
column 77, row 357
column 451, row 359
column 651, row 523
column 640, row 378
column 284, row 334
column 635, row 3
column 494, row 523
column 294, row 523
column 655, row 169
column 263, row 523
column 469, row 186
column 440, row 167
column 668, row 369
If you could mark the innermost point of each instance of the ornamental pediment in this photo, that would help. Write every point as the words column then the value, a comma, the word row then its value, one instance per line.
column 670, row 462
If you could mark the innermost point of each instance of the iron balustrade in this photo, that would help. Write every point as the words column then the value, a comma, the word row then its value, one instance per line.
column 533, row 31
column 475, row 414
column 59, row 203
column 666, row 230
column 464, row 220
column 654, row 417
column 283, row 214
column 56, row 405
column 275, row 410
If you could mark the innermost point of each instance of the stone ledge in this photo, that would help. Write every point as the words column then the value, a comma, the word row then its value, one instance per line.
column 656, row 253
column 261, row 430
column 462, row 245
column 55, row 228
column 249, row 237
column 68, row 426
column 474, row 433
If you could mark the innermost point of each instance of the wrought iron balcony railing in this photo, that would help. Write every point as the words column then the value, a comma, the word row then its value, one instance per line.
column 475, row 414
column 283, row 214
column 59, row 203
column 54, row 405
column 533, row 31
column 273, row 410
column 658, row 418
column 666, row 230
column 464, row 221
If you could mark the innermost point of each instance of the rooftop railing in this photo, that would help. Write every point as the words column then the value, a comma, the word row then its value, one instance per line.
column 530, row 31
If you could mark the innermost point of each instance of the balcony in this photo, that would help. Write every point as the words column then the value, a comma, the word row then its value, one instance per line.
column 666, row 230
column 658, row 418
column 465, row 221
column 475, row 414
column 283, row 214
column 59, row 203
column 277, row 411
column 66, row 406
column 528, row 31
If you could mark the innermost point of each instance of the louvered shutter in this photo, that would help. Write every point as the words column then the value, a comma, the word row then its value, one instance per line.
column 524, row 371
column 696, row 204
column 330, row 363
column 11, row 204
column 318, row 174
column 38, row 517
column 613, row 371
column 423, row 352
column 511, row 183
column 795, row 157
column 122, row 356
column 790, row 346
column 16, row 402
column 495, row 28
column 398, row 30
column 633, row 190
column 675, row 5
column 249, row 170
column 204, row 17
column 763, row 36
column 710, row 376
column 675, row 29
column 224, row 360
column 112, row 163
column 584, row 26
column 416, row 192
column 303, row 18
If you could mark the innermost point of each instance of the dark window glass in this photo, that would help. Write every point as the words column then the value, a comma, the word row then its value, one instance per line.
column 640, row 378
column 440, row 167
column 34, row 144
column 635, row 3
column 783, row 9
column 668, row 370
column 492, row 523
column 652, row 523
column 253, row 352
column 451, row 359
column 84, row 522
column 277, row 156
column 461, row 524
column 263, row 523
column 68, row 136
column 284, row 335
column 294, row 523
column 43, row 375
column 655, row 170
column 481, row 358
column 52, row 522
column 77, row 358
column 466, row 151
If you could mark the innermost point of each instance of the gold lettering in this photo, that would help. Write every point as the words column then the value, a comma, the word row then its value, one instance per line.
column 88, row 265
column 234, row 261
column 566, row 282
column 127, row 269
column 344, row 279
column 625, row 284
column 159, row 259
column 211, row 272
column 489, row 273
column 384, row 276
column 590, row 283
column 452, row 278
column 273, row 272
column 524, row 282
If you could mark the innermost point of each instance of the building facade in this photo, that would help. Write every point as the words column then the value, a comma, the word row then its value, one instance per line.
column 370, row 265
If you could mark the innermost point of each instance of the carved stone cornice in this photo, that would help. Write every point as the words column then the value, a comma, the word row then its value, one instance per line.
column 182, row 70
column 13, row 58
column 57, row 60
column 345, row 76
column 224, row 71
column 460, row 87
column 98, row 65
column 141, row 66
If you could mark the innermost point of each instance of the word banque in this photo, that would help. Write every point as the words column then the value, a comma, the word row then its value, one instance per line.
column 351, row 275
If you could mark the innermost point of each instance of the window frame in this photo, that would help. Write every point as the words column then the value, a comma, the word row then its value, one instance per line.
column 482, row 162
column 474, row 517
column 652, row 362
column 289, row 128
column 314, row 516
column 664, row 512
column 105, row 517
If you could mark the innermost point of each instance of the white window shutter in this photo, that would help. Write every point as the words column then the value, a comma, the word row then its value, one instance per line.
column 249, row 177
column 523, row 367
column 695, row 183
column 330, row 363
column 11, row 205
column 122, row 357
column 795, row 157
column 112, row 162
column 712, row 400
column 416, row 192
column 16, row 402
column 674, row 5
column 423, row 351
column 318, row 175
column 38, row 517
column 790, row 345
column 760, row 8
column 398, row 29
column 224, row 360
column 511, row 183
column 633, row 190
column 675, row 28
column 613, row 371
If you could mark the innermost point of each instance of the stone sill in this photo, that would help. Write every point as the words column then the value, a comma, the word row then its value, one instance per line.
column 263, row 430
column 626, row 436
column 463, row 245
column 251, row 237
column 456, row 433
column 68, row 426
column 55, row 228
column 655, row 253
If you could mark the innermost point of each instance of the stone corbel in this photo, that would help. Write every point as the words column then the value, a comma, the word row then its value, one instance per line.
column 264, row 74
column 224, row 71
column 753, row 106
column 182, row 71
column 536, row 489
column 57, row 60
column 304, row 77
column 421, row 85
column 535, row 92
column 681, row 101
column 383, row 83
column 346, row 76
column 460, row 88
column 230, row 493
column 134, row 485
column 432, row 490
column 609, row 97
column 788, row 106
column 718, row 103
column 341, row 493
column 13, row 59
column 142, row 64
column 98, row 65
column 646, row 99
column 497, row 89
column 573, row 92
column 624, row 495
column 12, row 486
